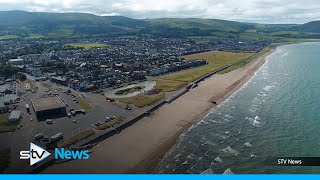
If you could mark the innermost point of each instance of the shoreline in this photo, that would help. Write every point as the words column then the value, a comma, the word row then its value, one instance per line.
column 150, row 163
column 132, row 151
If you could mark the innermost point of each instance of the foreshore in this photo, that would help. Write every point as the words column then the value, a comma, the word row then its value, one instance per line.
column 139, row 148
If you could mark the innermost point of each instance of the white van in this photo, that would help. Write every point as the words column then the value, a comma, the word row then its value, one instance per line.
column 38, row 136
column 56, row 137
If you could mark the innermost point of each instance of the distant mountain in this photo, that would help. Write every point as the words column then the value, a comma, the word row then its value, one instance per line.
column 310, row 27
column 56, row 25
column 75, row 25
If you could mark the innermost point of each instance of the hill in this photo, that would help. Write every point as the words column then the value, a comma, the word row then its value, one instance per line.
column 59, row 25
column 15, row 24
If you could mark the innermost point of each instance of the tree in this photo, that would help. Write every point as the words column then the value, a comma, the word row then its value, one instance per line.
column 8, row 71
column 22, row 77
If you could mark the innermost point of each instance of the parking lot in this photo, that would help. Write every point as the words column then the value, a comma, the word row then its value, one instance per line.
column 30, row 125
column 77, row 118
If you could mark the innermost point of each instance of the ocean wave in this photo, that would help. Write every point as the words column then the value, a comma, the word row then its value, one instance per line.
column 226, row 120
column 267, row 88
column 208, row 171
column 229, row 151
column 248, row 144
column 191, row 156
column 257, row 121
column 228, row 171
column 185, row 163
column 210, row 143
column 229, row 116
column 253, row 109
column 218, row 159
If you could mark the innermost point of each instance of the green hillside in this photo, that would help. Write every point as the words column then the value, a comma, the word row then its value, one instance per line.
column 34, row 25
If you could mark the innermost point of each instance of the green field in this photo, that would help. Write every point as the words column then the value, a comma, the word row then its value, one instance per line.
column 109, row 124
column 78, row 137
column 129, row 90
column 83, row 103
column 46, row 85
column 142, row 100
column 87, row 45
column 4, row 159
column 8, row 37
column 34, row 36
column 246, row 60
column 60, row 33
column 5, row 126
column 169, row 85
column 215, row 59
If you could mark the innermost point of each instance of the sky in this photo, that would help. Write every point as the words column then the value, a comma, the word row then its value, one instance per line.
column 259, row 11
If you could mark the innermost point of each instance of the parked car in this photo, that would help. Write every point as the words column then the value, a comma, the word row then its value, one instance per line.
column 38, row 136
column 69, row 115
column 83, row 111
column 56, row 137
column 74, row 121
column 108, row 119
column 128, row 108
column 94, row 126
column 49, row 121
column 45, row 139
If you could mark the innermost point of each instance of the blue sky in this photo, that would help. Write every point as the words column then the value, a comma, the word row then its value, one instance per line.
column 261, row 11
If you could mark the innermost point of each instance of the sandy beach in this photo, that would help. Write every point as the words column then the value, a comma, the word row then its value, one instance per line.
column 139, row 148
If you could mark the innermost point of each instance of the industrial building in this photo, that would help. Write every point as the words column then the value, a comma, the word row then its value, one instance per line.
column 16, row 62
column 49, row 106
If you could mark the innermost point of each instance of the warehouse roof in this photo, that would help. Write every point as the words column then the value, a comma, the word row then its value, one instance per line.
column 42, row 104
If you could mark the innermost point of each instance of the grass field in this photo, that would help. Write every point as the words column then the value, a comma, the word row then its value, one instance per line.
column 46, row 85
column 61, row 33
column 4, row 159
column 169, row 85
column 87, row 45
column 142, row 100
column 78, row 137
column 245, row 60
column 8, row 37
column 109, row 124
column 83, row 103
column 34, row 36
column 215, row 59
column 4, row 126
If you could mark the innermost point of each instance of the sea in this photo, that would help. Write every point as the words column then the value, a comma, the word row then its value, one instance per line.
column 276, row 114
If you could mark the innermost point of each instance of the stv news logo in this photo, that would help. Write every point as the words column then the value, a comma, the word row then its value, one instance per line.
column 37, row 154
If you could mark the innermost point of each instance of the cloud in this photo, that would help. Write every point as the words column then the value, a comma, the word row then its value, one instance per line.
column 263, row 11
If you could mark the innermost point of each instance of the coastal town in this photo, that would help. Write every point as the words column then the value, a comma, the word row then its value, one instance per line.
column 75, row 93
column 115, row 61
column 145, row 87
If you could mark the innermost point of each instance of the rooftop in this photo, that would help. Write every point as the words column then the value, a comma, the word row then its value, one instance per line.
column 15, row 60
column 15, row 115
column 42, row 104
